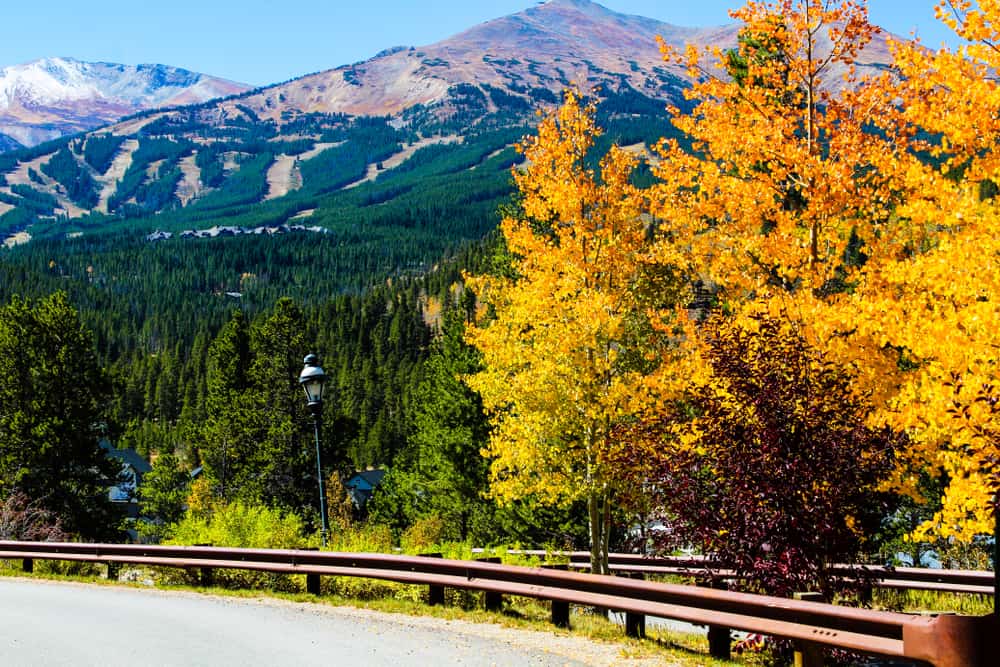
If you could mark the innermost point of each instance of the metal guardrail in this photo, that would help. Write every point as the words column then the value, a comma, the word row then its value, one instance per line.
column 977, row 582
column 941, row 641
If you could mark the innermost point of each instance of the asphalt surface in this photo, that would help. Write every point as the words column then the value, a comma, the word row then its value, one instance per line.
column 56, row 623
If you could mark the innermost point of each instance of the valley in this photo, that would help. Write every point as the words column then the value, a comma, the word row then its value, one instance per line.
column 206, row 242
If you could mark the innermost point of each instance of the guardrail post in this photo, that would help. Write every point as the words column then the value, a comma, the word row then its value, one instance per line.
column 866, row 593
column 492, row 601
column 27, row 565
column 312, row 580
column 560, row 609
column 635, row 624
column 206, row 575
column 113, row 570
column 808, row 654
column 435, row 593
column 719, row 640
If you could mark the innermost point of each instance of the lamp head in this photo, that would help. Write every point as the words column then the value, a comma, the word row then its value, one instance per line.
column 313, row 380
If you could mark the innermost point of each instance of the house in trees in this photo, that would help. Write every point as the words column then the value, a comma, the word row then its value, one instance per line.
column 133, row 467
column 363, row 484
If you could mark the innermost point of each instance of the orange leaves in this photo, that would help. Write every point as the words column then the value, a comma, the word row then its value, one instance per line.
column 940, row 306
column 558, row 152
column 773, row 190
column 935, row 296
column 859, row 213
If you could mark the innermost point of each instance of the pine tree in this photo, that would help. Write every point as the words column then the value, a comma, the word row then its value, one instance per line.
column 53, row 396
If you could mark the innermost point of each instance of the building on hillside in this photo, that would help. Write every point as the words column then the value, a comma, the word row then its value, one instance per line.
column 126, row 487
column 363, row 484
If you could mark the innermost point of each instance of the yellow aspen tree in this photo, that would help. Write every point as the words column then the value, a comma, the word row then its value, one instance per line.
column 561, row 324
column 782, row 176
column 868, row 215
column 784, row 194
column 937, row 299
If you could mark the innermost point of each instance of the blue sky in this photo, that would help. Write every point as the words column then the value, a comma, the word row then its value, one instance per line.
column 260, row 42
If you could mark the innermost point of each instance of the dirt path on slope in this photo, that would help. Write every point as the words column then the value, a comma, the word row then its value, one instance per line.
column 283, row 175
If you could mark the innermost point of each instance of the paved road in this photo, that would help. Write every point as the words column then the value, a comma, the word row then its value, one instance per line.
column 55, row 623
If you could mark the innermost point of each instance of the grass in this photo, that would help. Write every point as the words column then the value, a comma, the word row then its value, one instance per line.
column 931, row 601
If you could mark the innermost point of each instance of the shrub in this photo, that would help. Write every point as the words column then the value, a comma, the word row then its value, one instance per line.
column 423, row 534
column 24, row 519
column 781, row 472
column 369, row 537
column 241, row 525
column 245, row 526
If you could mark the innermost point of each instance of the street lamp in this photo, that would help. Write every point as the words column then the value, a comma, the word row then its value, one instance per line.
column 313, row 379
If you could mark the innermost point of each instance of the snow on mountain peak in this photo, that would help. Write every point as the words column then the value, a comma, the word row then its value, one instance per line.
column 51, row 81
column 43, row 82
column 66, row 95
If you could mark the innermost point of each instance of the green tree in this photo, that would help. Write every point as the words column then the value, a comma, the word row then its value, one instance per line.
column 227, row 439
column 284, row 454
column 256, row 443
column 442, row 473
column 52, row 399
column 164, row 490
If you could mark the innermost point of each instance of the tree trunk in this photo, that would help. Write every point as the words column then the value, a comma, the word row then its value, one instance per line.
column 597, row 501
column 599, row 513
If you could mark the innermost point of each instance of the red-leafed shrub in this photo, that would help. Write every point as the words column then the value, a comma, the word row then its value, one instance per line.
column 774, row 471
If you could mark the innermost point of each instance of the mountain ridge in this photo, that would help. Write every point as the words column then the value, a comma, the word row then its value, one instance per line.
column 327, row 145
column 51, row 97
column 524, row 47
column 561, row 42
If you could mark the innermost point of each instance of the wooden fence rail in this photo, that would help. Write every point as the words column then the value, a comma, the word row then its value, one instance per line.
column 941, row 641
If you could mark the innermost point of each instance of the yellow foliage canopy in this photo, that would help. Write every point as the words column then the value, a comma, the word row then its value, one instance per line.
column 879, row 243
column 562, row 349
column 553, row 379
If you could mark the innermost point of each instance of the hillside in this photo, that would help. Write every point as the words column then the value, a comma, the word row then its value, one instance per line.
column 338, row 189
column 527, row 55
column 275, row 155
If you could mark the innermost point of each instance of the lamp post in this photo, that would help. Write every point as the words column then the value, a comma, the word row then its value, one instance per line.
column 313, row 379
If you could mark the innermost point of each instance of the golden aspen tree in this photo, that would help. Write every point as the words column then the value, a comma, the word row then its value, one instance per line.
column 866, row 214
column 784, row 194
column 938, row 298
column 782, row 176
column 560, row 328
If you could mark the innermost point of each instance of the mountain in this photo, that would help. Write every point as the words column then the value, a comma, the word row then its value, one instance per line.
column 53, row 97
column 157, row 225
column 545, row 48
column 401, row 141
